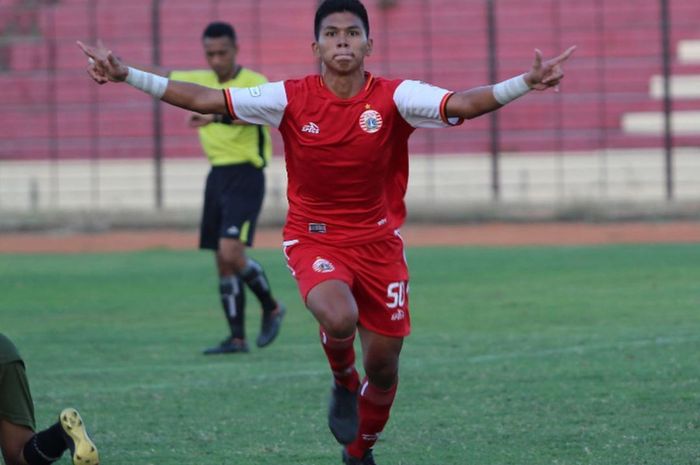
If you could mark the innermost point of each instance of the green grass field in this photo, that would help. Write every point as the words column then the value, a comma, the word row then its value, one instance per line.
column 569, row 355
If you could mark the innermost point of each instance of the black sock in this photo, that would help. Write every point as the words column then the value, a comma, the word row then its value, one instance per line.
column 233, row 303
column 46, row 446
column 254, row 276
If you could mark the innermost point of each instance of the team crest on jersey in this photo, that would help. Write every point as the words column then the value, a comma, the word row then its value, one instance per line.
column 321, row 265
column 371, row 121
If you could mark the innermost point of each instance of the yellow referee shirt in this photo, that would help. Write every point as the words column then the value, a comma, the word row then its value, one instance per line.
column 227, row 144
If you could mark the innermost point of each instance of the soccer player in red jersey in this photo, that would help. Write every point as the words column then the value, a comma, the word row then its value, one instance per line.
column 346, row 136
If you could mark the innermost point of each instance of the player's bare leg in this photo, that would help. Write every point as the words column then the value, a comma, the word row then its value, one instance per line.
column 12, row 440
column 332, row 304
column 380, row 355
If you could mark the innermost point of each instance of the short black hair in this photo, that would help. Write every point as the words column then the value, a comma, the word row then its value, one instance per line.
column 219, row 29
column 328, row 7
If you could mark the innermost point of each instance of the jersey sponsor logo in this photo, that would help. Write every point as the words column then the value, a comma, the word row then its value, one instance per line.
column 311, row 128
column 371, row 121
column 317, row 228
column 255, row 91
column 321, row 265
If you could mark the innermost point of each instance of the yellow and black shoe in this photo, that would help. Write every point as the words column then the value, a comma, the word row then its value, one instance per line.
column 83, row 450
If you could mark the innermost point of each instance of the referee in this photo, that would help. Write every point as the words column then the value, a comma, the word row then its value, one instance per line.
column 238, row 153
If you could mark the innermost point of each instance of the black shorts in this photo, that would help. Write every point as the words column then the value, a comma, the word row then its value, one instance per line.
column 233, row 198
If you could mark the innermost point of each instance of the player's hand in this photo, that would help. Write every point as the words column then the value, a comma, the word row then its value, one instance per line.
column 103, row 65
column 197, row 120
column 544, row 75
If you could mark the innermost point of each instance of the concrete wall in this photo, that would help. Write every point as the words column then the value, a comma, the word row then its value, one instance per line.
column 450, row 187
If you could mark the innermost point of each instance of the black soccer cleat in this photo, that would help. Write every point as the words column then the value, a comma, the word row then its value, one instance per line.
column 367, row 459
column 83, row 450
column 270, row 326
column 228, row 346
column 342, row 414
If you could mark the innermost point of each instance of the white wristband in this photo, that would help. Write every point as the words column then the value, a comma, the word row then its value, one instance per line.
column 147, row 82
column 510, row 89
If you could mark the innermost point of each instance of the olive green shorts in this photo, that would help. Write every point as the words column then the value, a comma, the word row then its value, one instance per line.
column 16, row 403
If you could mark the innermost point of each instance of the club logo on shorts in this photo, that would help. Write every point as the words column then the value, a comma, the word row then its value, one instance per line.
column 371, row 121
column 321, row 265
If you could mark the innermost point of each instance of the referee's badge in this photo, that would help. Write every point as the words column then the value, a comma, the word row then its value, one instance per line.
column 371, row 121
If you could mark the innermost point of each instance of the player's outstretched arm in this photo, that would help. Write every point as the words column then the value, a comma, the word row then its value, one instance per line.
column 104, row 66
column 480, row 100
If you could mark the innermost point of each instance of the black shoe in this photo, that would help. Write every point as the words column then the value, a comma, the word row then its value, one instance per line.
column 270, row 326
column 367, row 459
column 83, row 450
column 228, row 346
column 342, row 414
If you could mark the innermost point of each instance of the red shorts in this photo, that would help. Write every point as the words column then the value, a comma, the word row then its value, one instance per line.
column 376, row 273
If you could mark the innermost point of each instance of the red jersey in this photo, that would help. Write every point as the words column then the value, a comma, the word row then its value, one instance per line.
column 346, row 159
